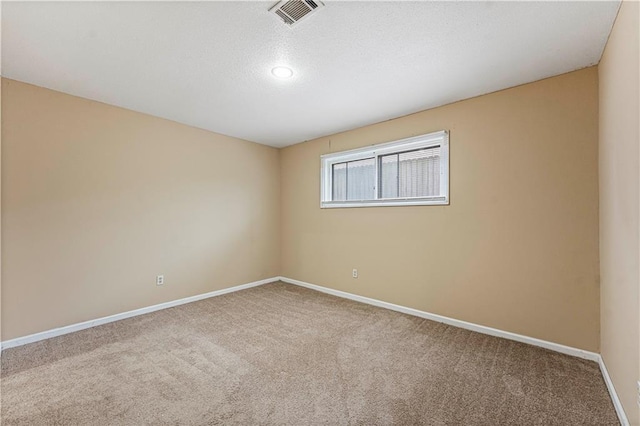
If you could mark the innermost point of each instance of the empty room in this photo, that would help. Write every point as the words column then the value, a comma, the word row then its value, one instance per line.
column 320, row 213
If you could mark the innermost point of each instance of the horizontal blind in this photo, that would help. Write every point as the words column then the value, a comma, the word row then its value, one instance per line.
column 354, row 180
column 339, row 177
column 410, row 174
column 361, row 178
column 389, row 176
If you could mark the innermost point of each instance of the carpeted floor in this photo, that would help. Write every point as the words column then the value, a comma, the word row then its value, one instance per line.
column 285, row 355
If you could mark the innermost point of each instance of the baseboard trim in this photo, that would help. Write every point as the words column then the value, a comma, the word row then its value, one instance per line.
column 568, row 350
column 19, row 341
column 622, row 416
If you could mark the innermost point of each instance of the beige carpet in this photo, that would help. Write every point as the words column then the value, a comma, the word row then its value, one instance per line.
column 280, row 354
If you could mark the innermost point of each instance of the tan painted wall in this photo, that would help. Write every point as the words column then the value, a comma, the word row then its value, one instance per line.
column 1, row 339
column 619, row 73
column 517, row 249
column 98, row 200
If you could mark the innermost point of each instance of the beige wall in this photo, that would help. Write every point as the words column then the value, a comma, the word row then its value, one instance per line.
column 1, row 338
column 517, row 249
column 619, row 206
column 98, row 200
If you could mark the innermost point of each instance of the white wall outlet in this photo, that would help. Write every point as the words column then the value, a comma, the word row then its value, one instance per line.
column 638, row 388
column 354, row 274
column 160, row 280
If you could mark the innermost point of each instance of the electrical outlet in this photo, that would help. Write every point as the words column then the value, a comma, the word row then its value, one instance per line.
column 638, row 388
column 354, row 274
column 160, row 280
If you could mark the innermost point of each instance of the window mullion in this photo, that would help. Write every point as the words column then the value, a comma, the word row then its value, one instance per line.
column 346, row 180
column 332, row 181
column 376, row 185
column 398, row 175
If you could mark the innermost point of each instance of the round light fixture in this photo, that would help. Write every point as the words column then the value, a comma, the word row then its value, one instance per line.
column 282, row 72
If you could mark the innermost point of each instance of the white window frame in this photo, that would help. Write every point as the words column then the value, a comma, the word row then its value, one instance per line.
column 327, row 161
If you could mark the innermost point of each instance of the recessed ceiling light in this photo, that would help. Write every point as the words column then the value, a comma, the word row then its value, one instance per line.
column 282, row 72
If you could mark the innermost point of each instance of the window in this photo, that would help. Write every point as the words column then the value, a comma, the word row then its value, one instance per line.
column 413, row 171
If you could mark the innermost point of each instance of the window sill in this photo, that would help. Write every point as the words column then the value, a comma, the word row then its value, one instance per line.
column 432, row 201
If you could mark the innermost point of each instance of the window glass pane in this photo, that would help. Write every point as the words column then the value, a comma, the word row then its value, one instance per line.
column 389, row 176
column 339, row 182
column 361, row 179
column 419, row 173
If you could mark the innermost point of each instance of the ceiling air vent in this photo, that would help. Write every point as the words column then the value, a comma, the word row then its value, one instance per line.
column 293, row 11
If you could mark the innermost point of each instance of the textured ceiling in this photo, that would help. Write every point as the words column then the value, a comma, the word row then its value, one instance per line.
column 208, row 64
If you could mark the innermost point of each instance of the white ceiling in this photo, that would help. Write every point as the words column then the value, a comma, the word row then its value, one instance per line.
column 208, row 64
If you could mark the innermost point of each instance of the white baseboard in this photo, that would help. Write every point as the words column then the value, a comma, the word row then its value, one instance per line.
column 19, row 341
column 580, row 353
column 624, row 421
column 568, row 350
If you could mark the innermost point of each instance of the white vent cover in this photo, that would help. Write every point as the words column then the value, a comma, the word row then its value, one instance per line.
column 293, row 11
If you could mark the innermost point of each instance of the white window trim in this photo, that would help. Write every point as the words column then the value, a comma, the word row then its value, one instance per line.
column 440, row 138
